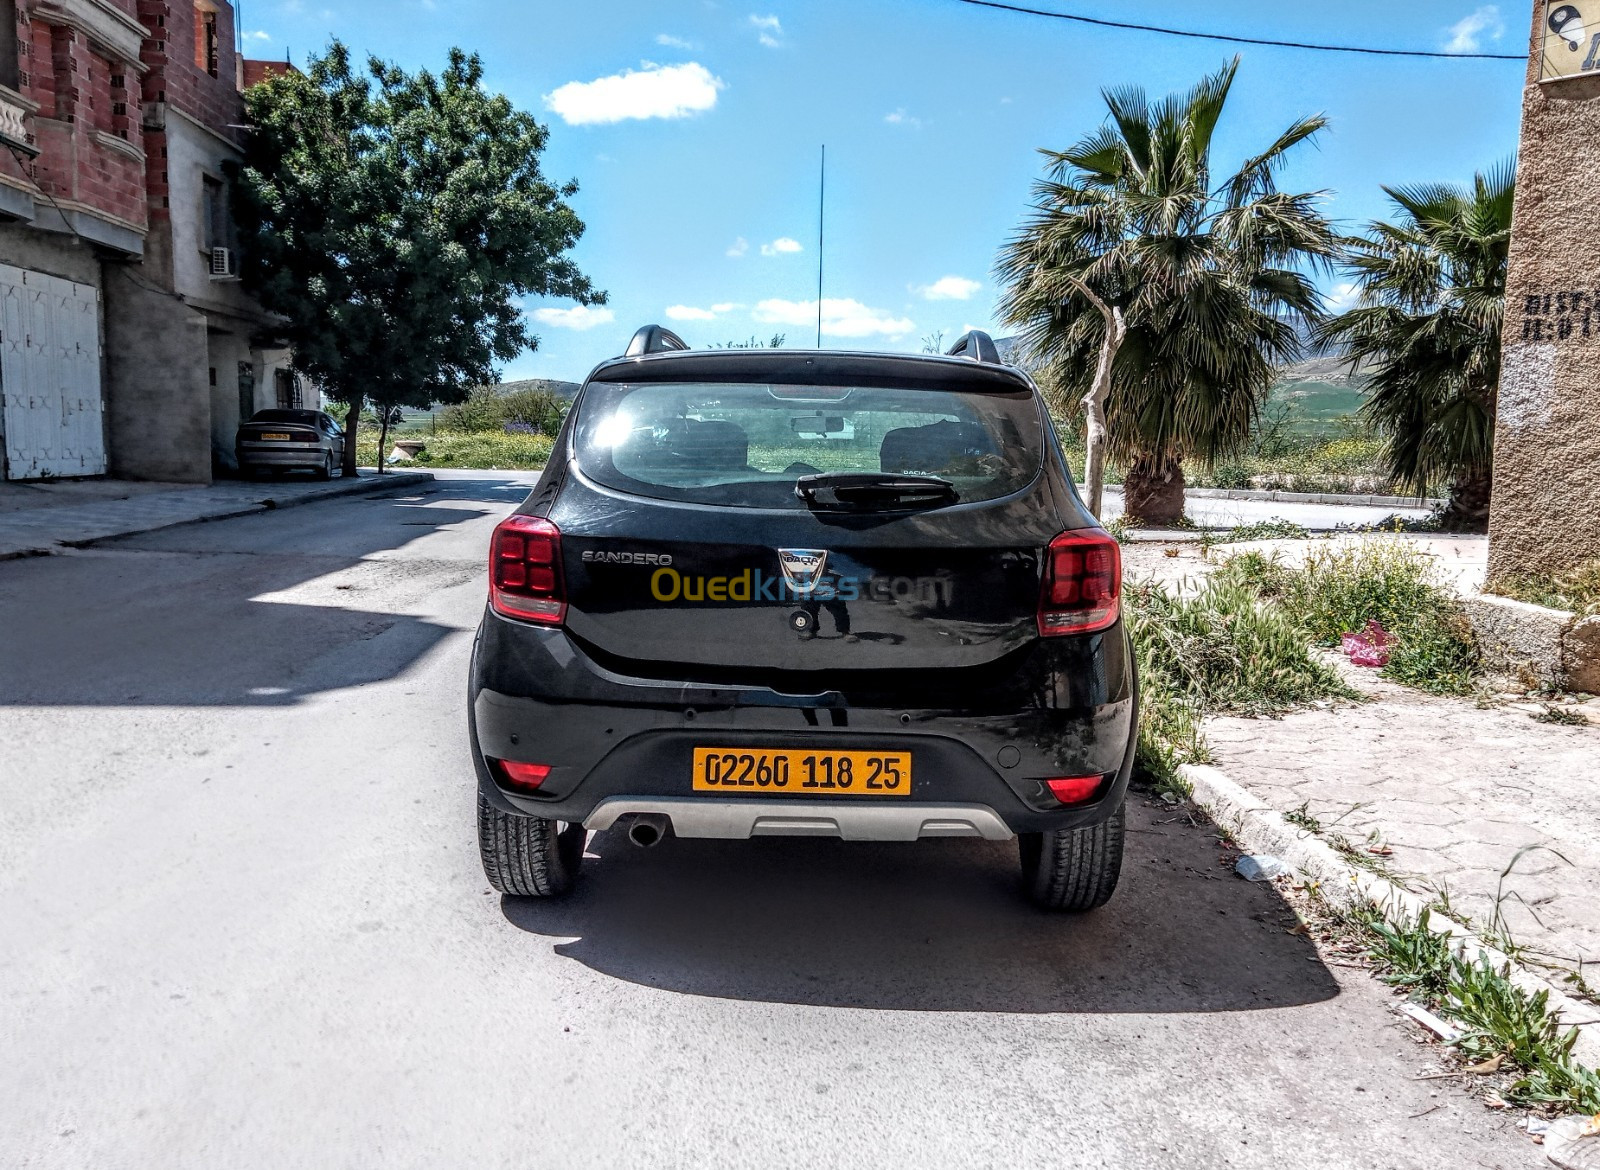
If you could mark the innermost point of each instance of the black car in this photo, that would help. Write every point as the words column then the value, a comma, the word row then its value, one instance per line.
column 812, row 593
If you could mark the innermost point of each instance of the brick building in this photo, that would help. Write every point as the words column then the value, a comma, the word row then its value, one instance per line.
column 126, row 344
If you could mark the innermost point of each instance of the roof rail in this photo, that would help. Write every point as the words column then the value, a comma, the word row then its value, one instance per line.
column 654, row 339
column 978, row 346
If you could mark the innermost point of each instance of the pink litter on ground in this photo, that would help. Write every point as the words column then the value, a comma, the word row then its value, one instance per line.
column 1368, row 648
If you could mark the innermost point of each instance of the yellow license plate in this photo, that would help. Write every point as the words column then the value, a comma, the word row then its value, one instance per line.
column 273, row 435
column 801, row 772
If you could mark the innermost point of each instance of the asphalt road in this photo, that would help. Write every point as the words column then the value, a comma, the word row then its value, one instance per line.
column 245, row 926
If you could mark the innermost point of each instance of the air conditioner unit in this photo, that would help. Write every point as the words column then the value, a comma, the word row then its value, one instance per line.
column 224, row 264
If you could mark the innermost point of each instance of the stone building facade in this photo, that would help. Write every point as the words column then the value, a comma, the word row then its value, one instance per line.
column 127, row 345
column 1545, row 514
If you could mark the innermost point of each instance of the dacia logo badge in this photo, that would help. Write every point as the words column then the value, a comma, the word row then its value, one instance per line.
column 802, row 567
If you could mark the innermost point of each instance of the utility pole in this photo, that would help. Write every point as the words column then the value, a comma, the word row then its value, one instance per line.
column 822, row 191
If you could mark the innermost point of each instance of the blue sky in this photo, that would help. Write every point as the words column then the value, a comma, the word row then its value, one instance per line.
column 697, row 151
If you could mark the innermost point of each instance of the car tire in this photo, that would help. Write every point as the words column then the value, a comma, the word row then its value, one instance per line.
column 326, row 470
column 528, row 856
column 1074, row 869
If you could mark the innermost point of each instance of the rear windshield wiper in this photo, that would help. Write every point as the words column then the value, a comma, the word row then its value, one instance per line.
column 865, row 491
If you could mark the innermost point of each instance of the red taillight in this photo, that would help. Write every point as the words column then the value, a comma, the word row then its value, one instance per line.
column 1082, row 583
column 1075, row 789
column 515, row 774
column 525, row 571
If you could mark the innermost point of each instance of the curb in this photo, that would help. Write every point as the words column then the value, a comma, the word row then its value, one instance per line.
column 357, row 487
column 1259, row 828
column 1201, row 493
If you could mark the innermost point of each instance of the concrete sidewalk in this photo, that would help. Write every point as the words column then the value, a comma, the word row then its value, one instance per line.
column 35, row 528
column 1445, row 797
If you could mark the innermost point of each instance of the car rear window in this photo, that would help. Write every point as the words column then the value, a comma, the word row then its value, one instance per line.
column 745, row 444
column 305, row 418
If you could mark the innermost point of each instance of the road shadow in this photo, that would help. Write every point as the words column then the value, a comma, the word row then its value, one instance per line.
column 931, row 926
column 205, row 620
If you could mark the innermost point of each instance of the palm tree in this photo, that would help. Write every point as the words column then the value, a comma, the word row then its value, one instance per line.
column 1209, row 278
column 1427, row 332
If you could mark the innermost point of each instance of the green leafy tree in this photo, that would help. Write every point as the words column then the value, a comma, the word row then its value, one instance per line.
column 1208, row 277
column 1426, row 331
column 394, row 221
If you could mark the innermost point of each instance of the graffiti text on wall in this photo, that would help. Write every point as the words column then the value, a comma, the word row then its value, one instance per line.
column 1556, row 316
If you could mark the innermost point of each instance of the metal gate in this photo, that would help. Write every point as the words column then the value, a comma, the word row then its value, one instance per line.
column 50, row 376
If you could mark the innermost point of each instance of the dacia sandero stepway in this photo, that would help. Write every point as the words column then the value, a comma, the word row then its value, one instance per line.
column 804, row 592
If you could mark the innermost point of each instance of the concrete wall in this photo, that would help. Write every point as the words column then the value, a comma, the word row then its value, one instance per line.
column 193, row 155
column 1546, row 508
column 59, row 255
column 158, row 408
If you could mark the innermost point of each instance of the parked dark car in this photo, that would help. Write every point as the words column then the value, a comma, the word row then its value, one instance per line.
column 815, row 593
column 290, row 440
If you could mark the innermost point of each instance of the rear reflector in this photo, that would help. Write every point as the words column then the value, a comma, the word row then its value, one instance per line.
column 1082, row 588
column 525, row 571
column 515, row 774
column 1075, row 789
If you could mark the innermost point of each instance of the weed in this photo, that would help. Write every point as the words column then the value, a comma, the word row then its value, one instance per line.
column 1498, row 1018
column 1223, row 651
column 1302, row 818
column 1576, row 589
column 1411, row 955
column 1564, row 716
column 1341, row 588
column 497, row 450
column 1274, row 529
column 1219, row 651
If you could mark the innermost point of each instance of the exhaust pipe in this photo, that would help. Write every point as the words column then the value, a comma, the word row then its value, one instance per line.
column 647, row 829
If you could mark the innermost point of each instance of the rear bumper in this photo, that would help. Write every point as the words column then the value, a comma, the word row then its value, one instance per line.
column 280, row 455
column 618, row 746
column 740, row 820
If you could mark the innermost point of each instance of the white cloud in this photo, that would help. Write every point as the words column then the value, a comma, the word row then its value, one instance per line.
column 725, row 307
column 768, row 31
column 782, row 246
column 739, row 247
column 1466, row 35
column 673, row 42
column 578, row 317
column 689, row 313
column 840, row 316
column 257, row 35
column 948, row 288
column 901, row 118
column 1344, row 295
column 655, row 91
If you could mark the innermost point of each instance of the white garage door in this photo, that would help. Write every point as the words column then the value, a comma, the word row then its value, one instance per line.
column 50, row 375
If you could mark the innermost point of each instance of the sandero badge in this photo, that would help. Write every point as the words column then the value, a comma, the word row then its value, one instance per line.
column 802, row 568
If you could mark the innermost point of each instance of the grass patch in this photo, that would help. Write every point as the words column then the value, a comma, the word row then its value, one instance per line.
column 1274, row 529
column 1562, row 716
column 1576, row 589
column 1340, row 588
column 1220, row 652
column 484, row 450
column 1498, row 1018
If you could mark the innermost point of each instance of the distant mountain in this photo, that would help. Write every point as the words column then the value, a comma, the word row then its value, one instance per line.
column 1333, row 369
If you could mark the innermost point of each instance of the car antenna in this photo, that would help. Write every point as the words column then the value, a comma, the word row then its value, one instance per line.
column 822, row 191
